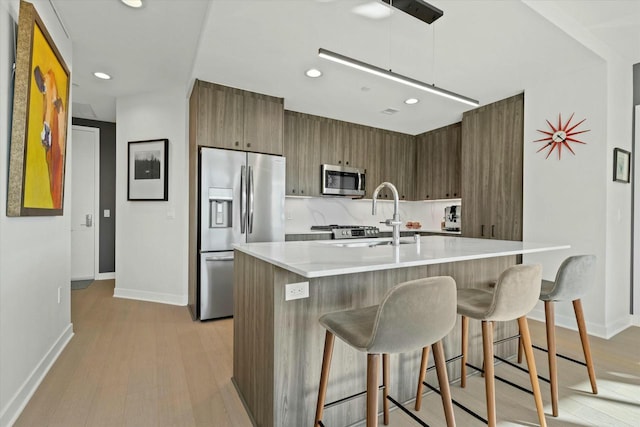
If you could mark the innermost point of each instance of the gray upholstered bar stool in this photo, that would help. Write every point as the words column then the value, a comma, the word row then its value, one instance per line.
column 573, row 279
column 515, row 294
column 412, row 315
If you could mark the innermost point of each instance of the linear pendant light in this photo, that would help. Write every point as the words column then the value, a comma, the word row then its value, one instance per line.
column 372, row 69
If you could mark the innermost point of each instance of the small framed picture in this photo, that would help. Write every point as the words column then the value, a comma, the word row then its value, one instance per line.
column 148, row 170
column 621, row 165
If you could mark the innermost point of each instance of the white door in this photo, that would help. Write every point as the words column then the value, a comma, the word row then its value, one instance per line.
column 85, row 146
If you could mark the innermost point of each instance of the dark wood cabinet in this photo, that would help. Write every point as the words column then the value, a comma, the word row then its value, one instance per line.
column 263, row 123
column 302, row 148
column 492, row 158
column 236, row 119
column 438, row 163
column 311, row 141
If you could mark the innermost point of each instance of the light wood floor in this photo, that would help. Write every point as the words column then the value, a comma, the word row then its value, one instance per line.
column 134, row 363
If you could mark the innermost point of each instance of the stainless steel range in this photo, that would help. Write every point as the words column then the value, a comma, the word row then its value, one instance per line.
column 348, row 231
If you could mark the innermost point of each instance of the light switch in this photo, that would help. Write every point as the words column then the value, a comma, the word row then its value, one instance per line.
column 107, row 213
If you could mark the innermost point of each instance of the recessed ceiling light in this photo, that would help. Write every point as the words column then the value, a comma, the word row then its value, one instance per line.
column 313, row 73
column 133, row 3
column 101, row 75
column 411, row 101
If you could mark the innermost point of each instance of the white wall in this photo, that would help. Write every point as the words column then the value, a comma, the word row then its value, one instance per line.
column 34, row 256
column 636, row 238
column 151, row 237
column 564, row 200
column 619, row 238
column 574, row 200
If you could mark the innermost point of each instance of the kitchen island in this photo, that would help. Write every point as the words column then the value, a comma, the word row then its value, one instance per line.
column 278, row 344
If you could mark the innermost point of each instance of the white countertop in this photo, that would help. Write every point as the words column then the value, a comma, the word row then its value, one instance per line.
column 323, row 258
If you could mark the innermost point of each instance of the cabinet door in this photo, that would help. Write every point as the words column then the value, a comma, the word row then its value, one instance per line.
column 507, row 146
column 309, row 156
column 331, row 142
column 452, row 151
column 424, row 144
column 355, row 146
column 438, row 164
column 405, row 167
column 388, row 163
column 474, row 174
column 291, row 150
column 220, row 116
column 374, row 161
column 492, row 144
column 263, row 124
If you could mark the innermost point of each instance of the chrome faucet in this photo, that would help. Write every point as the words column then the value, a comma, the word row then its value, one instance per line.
column 395, row 221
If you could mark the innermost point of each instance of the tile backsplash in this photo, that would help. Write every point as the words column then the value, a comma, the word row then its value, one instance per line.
column 301, row 213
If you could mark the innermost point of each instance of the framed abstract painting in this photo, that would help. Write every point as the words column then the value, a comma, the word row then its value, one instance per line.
column 39, row 125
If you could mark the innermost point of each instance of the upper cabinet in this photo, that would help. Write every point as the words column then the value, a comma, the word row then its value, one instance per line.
column 438, row 163
column 397, row 165
column 302, row 148
column 310, row 141
column 492, row 157
column 235, row 119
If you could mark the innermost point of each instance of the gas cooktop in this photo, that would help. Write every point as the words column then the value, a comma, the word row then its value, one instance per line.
column 348, row 231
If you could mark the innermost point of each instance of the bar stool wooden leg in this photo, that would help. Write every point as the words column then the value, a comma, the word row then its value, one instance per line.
column 483, row 361
column 443, row 381
column 551, row 347
column 324, row 375
column 582, row 328
column 372, row 389
column 423, row 373
column 385, row 390
column 465, row 344
column 519, row 348
column 487, row 346
column 531, row 364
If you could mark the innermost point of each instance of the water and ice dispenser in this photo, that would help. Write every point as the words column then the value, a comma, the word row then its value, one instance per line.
column 220, row 207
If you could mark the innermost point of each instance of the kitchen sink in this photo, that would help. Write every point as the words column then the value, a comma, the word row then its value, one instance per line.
column 362, row 244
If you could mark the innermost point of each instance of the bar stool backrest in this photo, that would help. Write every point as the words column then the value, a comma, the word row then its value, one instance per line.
column 413, row 315
column 516, row 292
column 574, row 278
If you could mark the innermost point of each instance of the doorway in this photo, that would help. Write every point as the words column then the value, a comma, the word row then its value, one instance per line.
column 85, row 197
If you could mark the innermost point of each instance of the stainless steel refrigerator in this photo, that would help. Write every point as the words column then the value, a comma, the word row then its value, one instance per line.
column 241, row 200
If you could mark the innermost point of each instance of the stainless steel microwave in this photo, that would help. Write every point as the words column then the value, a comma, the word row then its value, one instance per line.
column 342, row 181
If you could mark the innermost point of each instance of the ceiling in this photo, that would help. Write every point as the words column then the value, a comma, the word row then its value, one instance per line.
column 487, row 50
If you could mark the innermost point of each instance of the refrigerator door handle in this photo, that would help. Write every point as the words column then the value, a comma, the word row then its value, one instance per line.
column 220, row 258
column 243, row 201
column 250, row 200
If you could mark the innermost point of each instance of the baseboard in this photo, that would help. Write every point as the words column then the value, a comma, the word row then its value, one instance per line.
column 635, row 319
column 106, row 276
column 597, row 330
column 569, row 322
column 172, row 299
column 16, row 405
column 614, row 328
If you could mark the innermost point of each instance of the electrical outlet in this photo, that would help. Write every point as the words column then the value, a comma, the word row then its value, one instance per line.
column 59, row 294
column 296, row 291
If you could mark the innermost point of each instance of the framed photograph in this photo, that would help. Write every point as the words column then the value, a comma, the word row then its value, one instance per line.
column 621, row 165
column 148, row 170
column 37, row 155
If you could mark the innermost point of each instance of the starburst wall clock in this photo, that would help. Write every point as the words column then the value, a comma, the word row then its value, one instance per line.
column 561, row 136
